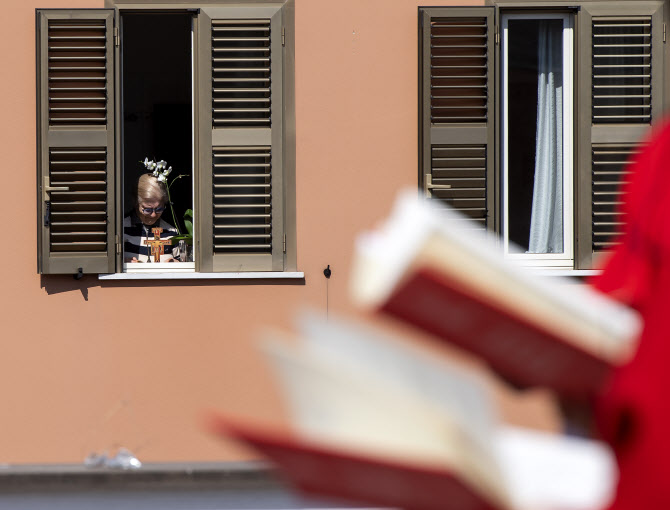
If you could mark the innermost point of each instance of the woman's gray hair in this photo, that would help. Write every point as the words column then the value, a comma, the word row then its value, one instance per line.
column 149, row 188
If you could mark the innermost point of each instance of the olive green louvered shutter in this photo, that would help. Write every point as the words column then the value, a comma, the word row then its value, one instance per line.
column 456, row 109
column 620, row 96
column 241, row 74
column 75, row 131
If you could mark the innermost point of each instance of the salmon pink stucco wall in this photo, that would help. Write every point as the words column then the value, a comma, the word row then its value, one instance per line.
column 81, row 368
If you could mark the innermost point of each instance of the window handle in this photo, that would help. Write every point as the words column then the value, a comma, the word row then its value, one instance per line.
column 429, row 186
column 47, row 188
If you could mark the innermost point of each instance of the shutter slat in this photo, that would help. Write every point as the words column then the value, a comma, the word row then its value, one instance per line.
column 222, row 216
column 238, row 122
column 604, row 118
column 219, row 248
column 239, row 90
column 452, row 118
column 76, row 89
column 241, row 206
column 238, row 186
column 242, row 79
column 242, row 165
column 246, row 100
column 241, row 110
column 247, row 226
column 638, row 66
column 623, row 106
column 621, row 96
column 242, row 236
column 78, row 120
column 623, row 77
column 619, row 36
column 78, row 68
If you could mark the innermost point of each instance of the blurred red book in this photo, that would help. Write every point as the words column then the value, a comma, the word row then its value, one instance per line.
column 378, row 421
column 428, row 267
column 354, row 477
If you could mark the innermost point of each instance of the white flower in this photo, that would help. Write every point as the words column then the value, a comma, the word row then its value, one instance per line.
column 159, row 170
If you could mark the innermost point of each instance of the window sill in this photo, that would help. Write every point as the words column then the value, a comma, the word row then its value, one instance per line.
column 259, row 275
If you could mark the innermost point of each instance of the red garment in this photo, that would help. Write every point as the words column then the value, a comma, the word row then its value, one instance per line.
column 634, row 410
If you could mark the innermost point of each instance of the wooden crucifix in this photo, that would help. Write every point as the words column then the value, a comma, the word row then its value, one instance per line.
column 157, row 244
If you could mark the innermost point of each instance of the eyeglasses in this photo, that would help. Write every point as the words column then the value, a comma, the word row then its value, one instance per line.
column 151, row 210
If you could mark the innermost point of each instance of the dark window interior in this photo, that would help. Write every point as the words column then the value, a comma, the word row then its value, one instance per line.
column 522, row 125
column 157, row 101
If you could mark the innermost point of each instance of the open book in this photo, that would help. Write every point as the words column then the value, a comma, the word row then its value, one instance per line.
column 376, row 421
column 426, row 267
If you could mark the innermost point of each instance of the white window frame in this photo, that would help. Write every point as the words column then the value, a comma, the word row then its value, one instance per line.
column 548, row 260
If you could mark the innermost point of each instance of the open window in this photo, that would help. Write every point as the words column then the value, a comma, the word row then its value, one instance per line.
column 209, row 89
column 504, row 146
column 537, row 140
column 157, row 76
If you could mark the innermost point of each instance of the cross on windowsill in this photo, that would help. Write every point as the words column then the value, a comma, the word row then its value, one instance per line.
column 157, row 244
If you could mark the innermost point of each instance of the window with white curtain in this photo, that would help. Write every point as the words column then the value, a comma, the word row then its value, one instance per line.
column 537, row 139
column 528, row 113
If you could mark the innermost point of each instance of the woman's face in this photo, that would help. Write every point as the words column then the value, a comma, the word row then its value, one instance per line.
column 146, row 210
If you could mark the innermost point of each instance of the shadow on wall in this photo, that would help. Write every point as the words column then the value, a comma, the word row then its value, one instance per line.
column 56, row 284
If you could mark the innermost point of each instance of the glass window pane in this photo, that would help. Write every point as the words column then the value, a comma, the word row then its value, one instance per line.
column 535, row 134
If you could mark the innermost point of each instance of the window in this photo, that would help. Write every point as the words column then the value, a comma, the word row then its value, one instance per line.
column 526, row 125
column 157, row 114
column 536, row 90
column 221, row 111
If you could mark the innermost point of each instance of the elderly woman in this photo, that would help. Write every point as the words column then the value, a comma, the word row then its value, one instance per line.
column 150, row 199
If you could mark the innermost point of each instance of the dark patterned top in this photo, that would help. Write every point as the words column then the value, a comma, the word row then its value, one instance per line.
column 135, row 233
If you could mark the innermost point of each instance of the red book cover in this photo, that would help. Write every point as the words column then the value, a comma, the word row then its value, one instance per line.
column 519, row 350
column 354, row 477
column 425, row 267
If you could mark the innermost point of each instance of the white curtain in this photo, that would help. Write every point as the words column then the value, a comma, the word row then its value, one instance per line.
column 546, row 221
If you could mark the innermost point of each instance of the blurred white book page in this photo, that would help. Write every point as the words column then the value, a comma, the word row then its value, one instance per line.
column 368, row 350
column 555, row 472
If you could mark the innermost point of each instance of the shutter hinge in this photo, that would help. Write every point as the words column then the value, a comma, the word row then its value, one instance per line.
column 116, row 36
column 118, row 245
column 663, row 32
column 284, row 243
column 283, row 36
column 497, row 36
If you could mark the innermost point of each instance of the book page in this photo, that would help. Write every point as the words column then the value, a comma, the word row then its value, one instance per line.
column 444, row 384
column 339, row 406
column 555, row 472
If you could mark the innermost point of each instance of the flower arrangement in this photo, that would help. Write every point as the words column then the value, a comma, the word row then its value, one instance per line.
column 160, row 170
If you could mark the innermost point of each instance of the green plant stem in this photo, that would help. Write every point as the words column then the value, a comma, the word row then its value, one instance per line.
column 174, row 218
